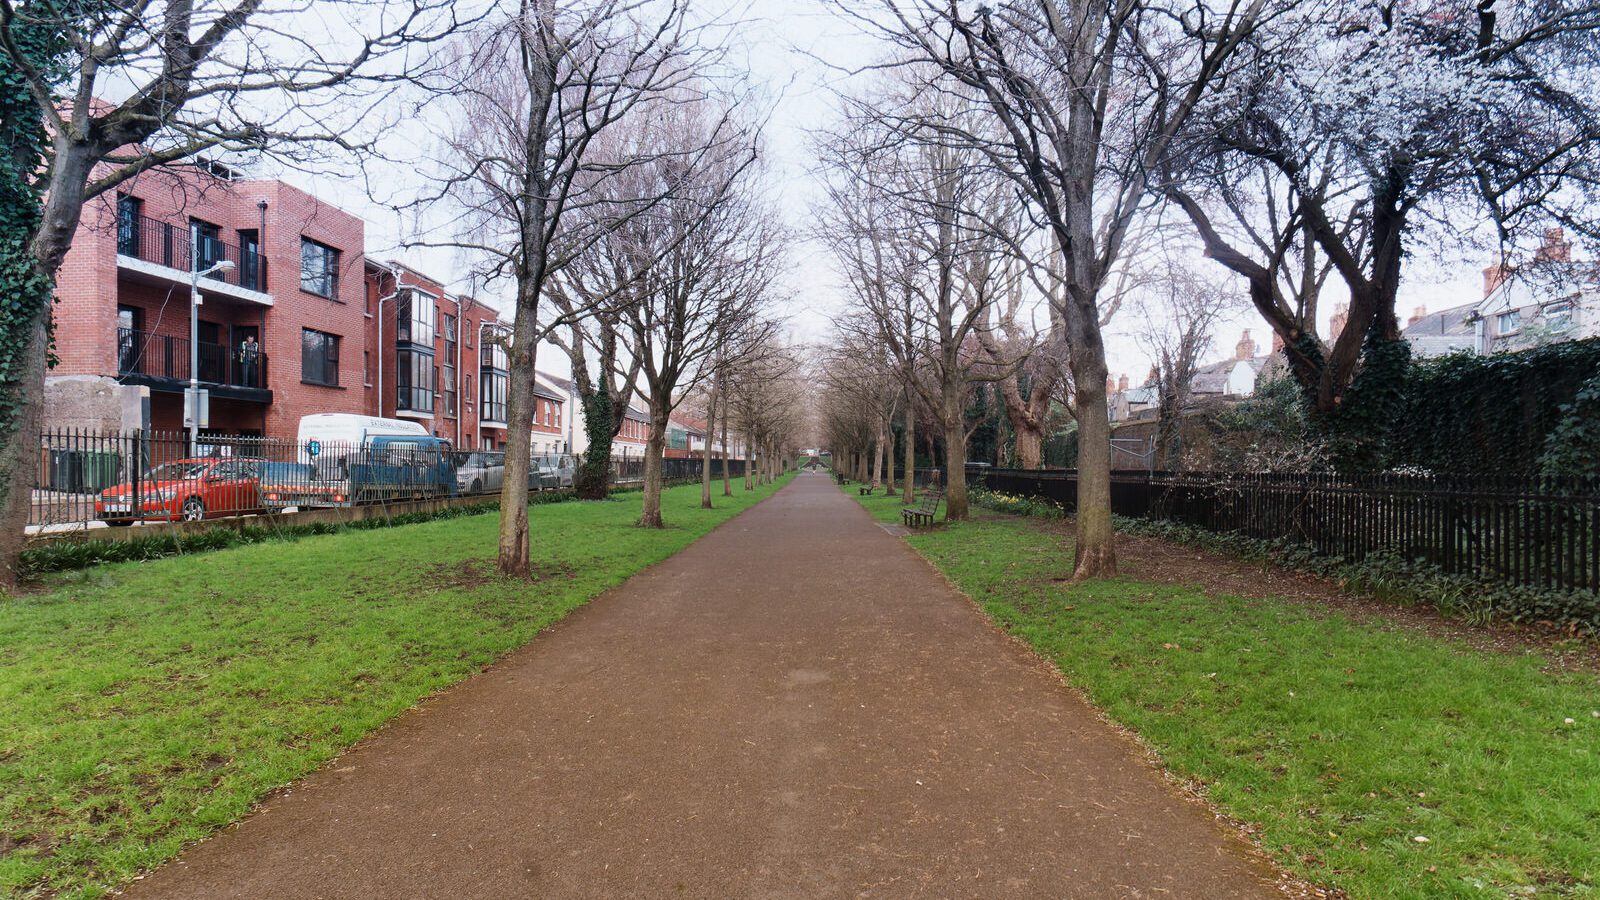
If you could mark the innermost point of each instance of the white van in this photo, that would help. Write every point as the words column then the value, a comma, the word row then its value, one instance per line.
column 351, row 430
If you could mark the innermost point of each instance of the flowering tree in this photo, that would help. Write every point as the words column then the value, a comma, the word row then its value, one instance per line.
column 1378, row 123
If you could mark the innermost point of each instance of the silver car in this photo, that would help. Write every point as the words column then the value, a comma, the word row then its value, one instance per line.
column 555, row 470
column 480, row 472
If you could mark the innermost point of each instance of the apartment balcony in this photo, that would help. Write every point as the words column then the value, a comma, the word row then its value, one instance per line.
column 163, row 251
column 162, row 363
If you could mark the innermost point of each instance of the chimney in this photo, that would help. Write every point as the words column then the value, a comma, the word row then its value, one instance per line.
column 1122, row 383
column 1277, row 343
column 1495, row 275
column 1341, row 315
column 1111, row 385
column 1417, row 315
column 1153, row 377
column 1246, row 348
column 1556, row 247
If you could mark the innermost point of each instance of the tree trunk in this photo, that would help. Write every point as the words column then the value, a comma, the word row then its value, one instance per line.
column 1094, row 551
column 727, row 481
column 711, row 429
column 599, row 426
column 58, row 223
column 654, row 445
column 19, row 454
column 750, row 462
column 514, row 542
column 955, row 455
column 1030, row 446
column 908, row 496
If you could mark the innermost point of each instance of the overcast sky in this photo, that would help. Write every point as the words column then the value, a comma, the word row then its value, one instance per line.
column 800, row 53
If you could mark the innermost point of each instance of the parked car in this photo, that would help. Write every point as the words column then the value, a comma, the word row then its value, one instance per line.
column 480, row 471
column 555, row 471
column 186, row 490
column 286, row 484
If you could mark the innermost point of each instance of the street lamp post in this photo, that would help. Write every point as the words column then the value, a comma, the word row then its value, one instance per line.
column 192, row 401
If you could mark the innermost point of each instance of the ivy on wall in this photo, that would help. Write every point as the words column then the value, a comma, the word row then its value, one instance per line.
column 1514, row 413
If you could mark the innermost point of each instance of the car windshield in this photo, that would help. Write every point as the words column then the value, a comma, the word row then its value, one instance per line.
column 178, row 471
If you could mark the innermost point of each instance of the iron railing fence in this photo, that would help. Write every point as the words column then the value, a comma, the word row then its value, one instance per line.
column 164, row 357
column 1533, row 531
column 92, row 478
column 168, row 244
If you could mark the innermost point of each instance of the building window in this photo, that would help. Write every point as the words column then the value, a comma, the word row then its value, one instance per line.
column 130, row 212
column 319, row 357
column 1507, row 322
column 494, row 357
column 252, row 274
column 366, row 368
column 449, row 361
column 414, row 390
column 493, row 396
column 415, row 317
column 1558, row 315
column 549, row 414
column 208, row 247
column 319, row 269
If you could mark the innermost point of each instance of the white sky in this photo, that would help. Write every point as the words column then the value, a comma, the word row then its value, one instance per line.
column 795, row 51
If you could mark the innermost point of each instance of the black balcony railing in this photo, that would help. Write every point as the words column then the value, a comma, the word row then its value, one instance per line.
column 168, row 244
column 160, row 357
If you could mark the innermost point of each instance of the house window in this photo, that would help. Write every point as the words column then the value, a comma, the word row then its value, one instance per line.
column 130, row 212
column 252, row 274
column 319, row 269
column 416, row 318
column 414, row 381
column 1558, row 315
column 366, row 368
column 549, row 418
column 1507, row 322
column 319, row 357
column 449, row 386
column 493, row 396
column 494, row 357
column 208, row 247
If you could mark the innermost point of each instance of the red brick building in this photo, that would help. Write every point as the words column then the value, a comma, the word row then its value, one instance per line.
column 301, row 322
column 281, row 327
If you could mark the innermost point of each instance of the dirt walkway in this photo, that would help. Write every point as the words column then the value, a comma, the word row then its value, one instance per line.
column 795, row 706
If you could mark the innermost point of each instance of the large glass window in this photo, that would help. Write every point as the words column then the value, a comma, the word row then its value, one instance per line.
column 251, row 274
column 415, row 314
column 208, row 247
column 448, row 388
column 319, row 357
column 130, row 210
column 319, row 268
column 493, row 395
column 415, row 381
column 494, row 356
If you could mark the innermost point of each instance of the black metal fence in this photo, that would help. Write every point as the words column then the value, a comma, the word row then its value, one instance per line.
column 95, row 478
column 1538, row 532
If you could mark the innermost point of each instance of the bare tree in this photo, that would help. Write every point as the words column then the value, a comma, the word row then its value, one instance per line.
column 1181, row 323
column 198, row 76
column 713, row 247
column 536, row 185
column 1084, row 101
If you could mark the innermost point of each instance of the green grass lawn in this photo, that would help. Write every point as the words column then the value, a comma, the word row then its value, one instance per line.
column 144, row 705
column 1343, row 743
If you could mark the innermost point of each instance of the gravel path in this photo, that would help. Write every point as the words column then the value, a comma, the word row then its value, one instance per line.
column 795, row 706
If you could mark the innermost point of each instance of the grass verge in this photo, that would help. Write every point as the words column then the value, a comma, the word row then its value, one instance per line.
column 1381, row 762
column 148, row 704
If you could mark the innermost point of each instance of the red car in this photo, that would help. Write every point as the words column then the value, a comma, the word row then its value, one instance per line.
column 187, row 490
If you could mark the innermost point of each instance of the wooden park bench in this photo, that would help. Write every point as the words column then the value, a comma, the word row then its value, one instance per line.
column 923, row 513
column 864, row 490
